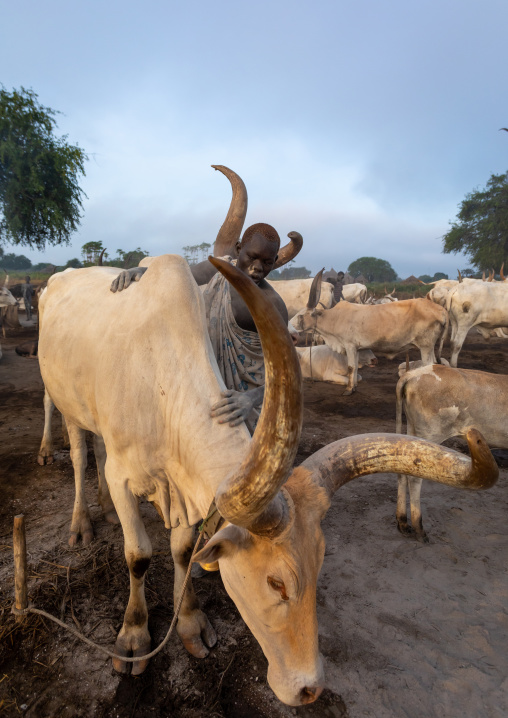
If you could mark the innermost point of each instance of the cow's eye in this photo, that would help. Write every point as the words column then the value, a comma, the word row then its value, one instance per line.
column 279, row 586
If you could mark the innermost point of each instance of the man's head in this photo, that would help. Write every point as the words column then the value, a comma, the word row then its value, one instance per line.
column 27, row 279
column 257, row 251
column 340, row 276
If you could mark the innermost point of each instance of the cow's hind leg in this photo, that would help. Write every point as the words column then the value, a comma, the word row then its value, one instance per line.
column 193, row 626
column 105, row 499
column 415, row 487
column 134, row 638
column 81, row 526
column 402, row 523
column 46, row 449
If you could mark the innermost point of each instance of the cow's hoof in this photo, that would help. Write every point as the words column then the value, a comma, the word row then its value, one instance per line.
column 196, row 633
column 86, row 537
column 405, row 529
column 44, row 460
column 112, row 517
column 128, row 646
column 348, row 392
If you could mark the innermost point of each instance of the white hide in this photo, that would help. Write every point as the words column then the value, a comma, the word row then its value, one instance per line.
column 323, row 364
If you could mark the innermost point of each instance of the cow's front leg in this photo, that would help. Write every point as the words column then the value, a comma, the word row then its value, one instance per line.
column 193, row 626
column 456, row 344
column 352, row 371
column 134, row 638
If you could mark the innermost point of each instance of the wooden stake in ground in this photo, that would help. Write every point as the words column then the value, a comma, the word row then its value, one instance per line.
column 19, row 545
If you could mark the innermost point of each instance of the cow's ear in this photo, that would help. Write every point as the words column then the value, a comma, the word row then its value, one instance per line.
column 225, row 543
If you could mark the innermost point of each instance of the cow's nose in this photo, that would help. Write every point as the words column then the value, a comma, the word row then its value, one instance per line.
column 310, row 694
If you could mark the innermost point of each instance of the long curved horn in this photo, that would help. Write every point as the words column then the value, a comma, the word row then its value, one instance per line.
column 251, row 497
column 6, row 282
column 503, row 278
column 229, row 233
column 491, row 275
column 315, row 290
column 346, row 459
column 99, row 263
column 290, row 250
column 483, row 276
column 459, row 277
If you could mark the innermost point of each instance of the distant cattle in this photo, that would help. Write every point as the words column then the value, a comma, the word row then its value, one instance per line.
column 478, row 304
column 387, row 328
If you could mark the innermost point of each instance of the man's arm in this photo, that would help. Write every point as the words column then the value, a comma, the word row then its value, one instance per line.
column 201, row 272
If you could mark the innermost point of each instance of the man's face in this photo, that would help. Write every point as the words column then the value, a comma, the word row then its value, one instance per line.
column 257, row 257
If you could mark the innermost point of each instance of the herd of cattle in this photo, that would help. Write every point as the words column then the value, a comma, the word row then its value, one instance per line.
column 154, row 437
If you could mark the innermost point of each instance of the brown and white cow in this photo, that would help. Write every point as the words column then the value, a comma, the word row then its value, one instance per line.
column 441, row 402
column 138, row 370
column 478, row 304
column 385, row 328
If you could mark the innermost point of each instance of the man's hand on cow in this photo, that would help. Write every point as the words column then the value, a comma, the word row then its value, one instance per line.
column 235, row 406
column 126, row 277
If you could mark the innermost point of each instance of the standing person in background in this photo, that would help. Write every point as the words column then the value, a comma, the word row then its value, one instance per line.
column 28, row 291
column 337, row 289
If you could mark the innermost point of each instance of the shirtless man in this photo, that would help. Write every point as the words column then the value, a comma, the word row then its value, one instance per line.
column 233, row 333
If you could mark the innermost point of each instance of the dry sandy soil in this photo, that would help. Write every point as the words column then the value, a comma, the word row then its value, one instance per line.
column 406, row 629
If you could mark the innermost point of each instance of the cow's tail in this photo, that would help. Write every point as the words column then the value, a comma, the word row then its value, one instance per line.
column 443, row 336
column 399, row 393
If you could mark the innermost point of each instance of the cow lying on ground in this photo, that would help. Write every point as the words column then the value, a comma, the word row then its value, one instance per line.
column 441, row 402
column 385, row 328
column 151, row 414
column 323, row 364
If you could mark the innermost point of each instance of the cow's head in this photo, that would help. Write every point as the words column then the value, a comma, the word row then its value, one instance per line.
column 307, row 318
column 271, row 552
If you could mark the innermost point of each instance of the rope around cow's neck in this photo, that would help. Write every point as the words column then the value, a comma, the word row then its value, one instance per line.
column 127, row 659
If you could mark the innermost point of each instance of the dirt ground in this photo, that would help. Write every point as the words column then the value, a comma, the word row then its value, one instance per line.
column 406, row 629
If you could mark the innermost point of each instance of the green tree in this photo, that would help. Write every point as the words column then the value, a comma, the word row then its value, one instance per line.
column 481, row 229
column 15, row 261
column 439, row 275
column 90, row 251
column 425, row 278
column 374, row 270
column 131, row 258
column 75, row 263
column 40, row 199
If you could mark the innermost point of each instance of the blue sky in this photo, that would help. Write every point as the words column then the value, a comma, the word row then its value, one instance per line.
column 361, row 125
